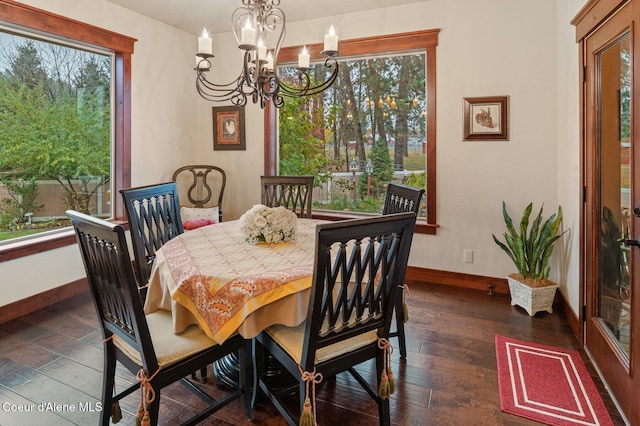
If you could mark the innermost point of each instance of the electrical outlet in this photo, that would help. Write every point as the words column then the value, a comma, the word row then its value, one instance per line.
column 467, row 256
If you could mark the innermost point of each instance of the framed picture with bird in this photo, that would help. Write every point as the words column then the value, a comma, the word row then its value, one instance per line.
column 228, row 128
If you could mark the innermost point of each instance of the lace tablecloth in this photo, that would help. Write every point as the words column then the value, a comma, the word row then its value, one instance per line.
column 210, row 276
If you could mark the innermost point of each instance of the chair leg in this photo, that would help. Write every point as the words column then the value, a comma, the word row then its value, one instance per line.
column 154, row 407
column 302, row 388
column 108, row 381
column 243, row 379
column 257, row 356
column 203, row 374
column 384, row 413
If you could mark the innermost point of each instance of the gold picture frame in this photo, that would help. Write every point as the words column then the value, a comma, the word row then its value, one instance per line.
column 228, row 128
column 486, row 118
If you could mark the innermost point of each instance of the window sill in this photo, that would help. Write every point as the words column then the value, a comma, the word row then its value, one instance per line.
column 39, row 243
column 36, row 244
column 422, row 227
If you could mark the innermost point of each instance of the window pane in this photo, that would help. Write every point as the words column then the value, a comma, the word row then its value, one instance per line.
column 55, row 148
column 365, row 131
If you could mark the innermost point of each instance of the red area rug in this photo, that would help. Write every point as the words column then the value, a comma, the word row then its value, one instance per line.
column 547, row 384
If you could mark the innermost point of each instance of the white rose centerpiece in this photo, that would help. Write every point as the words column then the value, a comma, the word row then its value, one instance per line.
column 268, row 225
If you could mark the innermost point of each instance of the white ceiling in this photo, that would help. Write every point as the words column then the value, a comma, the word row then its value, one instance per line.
column 215, row 15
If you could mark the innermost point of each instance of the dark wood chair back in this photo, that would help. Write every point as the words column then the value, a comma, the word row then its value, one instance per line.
column 293, row 192
column 357, row 262
column 153, row 213
column 201, row 185
column 402, row 198
column 107, row 263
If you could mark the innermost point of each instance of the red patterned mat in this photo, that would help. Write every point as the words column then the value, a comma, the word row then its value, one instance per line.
column 547, row 384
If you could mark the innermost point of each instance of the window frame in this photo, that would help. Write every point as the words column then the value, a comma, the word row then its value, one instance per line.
column 426, row 40
column 42, row 22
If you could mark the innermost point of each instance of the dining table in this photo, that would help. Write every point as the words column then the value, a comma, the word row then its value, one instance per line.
column 211, row 276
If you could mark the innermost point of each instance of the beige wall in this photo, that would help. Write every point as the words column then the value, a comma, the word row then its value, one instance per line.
column 568, row 146
column 485, row 48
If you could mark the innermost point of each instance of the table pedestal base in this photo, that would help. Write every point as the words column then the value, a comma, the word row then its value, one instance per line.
column 227, row 372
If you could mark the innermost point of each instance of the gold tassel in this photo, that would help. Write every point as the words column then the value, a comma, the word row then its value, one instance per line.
column 387, row 384
column 392, row 382
column 116, row 412
column 383, row 389
column 311, row 379
column 146, row 421
column 405, row 309
column 139, row 415
column 306, row 419
column 147, row 396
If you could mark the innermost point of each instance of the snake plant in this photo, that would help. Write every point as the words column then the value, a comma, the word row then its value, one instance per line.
column 530, row 249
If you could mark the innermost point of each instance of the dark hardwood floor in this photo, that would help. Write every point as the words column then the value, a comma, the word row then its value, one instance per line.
column 54, row 355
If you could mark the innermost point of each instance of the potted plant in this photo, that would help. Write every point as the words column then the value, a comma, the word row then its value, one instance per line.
column 530, row 250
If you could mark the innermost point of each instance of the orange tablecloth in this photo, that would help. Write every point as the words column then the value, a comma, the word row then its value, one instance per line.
column 210, row 276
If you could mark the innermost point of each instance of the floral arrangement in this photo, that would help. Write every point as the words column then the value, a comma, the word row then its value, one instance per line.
column 270, row 225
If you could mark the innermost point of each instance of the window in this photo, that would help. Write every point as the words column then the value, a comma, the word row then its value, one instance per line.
column 55, row 111
column 92, row 68
column 376, row 124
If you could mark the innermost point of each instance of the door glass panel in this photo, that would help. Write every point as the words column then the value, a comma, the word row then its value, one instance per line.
column 614, row 288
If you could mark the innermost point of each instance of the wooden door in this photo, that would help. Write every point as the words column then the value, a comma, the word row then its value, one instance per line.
column 612, row 205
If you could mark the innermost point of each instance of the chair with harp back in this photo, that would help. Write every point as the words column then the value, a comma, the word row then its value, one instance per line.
column 153, row 212
column 357, row 265
column 293, row 192
column 401, row 198
column 144, row 344
column 202, row 189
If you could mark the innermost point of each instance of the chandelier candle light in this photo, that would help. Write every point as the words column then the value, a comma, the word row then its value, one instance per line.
column 256, row 25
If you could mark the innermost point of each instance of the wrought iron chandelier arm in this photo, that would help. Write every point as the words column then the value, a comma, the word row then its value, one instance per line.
column 231, row 91
column 305, row 88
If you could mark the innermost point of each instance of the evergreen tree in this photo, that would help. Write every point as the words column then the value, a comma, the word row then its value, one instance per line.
column 382, row 171
column 26, row 69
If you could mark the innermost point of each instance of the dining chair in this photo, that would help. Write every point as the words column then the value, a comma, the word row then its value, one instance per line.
column 202, row 189
column 144, row 344
column 293, row 192
column 401, row 198
column 357, row 265
column 153, row 212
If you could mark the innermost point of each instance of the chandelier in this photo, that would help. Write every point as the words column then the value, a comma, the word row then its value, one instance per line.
column 256, row 25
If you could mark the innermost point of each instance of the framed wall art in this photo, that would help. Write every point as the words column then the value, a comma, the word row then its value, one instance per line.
column 228, row 128
column 486, row 118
